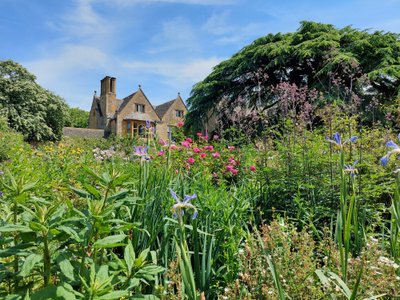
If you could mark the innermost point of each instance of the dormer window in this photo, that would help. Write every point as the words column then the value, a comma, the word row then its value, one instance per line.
column 179, row 113
column 140, row 108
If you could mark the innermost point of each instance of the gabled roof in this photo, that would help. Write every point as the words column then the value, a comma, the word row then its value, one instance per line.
column 163, row 108
column 124, row 102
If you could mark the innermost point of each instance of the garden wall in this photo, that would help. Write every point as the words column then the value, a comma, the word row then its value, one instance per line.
column 83, row 132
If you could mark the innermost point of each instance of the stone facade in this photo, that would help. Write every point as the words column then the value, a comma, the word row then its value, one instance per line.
column 128, row 116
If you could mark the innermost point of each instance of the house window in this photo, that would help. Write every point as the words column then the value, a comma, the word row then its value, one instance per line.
column 140, row 108
column 141, row 130
column 179, row 113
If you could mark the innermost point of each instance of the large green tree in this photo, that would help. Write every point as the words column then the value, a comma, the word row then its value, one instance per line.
column 348, row 65
column 30, row 109
column 77, row 117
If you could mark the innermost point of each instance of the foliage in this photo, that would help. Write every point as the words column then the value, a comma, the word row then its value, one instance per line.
column 74, row 226
column 356, row 69
column 77, row 117
column 35, row 112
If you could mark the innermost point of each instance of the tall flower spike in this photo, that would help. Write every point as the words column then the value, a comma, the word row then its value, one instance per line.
column 178, row 209
column 395, row 149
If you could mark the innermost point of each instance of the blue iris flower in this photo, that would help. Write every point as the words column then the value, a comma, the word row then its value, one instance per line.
column 351, row 169
column 336, row 140
column 141, row 152
column 178, row 209
column 395, row 149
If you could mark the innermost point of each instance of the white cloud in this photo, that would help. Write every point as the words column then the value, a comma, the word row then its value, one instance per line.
column 176, row 35
column 217, row 24
column 220, row 26
column 176, row 74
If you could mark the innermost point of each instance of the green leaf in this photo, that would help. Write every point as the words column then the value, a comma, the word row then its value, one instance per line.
column 110, row 241
column 29, row 264
column 66, row 267
column 71, row 232
column 146, row 297
column 61, row 292
column 81, row 193
column 129, row 256
column 93, row 191
column 113, row 295
column 13, row 228
column 120, row 195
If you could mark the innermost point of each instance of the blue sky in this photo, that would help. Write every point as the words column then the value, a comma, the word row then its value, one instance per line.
column 165, row 45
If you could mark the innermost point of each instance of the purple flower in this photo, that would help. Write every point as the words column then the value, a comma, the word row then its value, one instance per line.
column 140, row 150
column 148, row 124
column 178, row 209
column 351, row 169
column 1, row 193
column 338, row 142
column 395, row 149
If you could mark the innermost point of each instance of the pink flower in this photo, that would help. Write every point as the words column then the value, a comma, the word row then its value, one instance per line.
column 232, row 161
column 209, row 147
column 229, row 167
column 162, row 142
column 199, row 134
column 230, row 148
column 160, row 153
column 234, row 171
column 215, row 175
column 196, row 150
column 216, row 154
column 173, row 146
column 189, row 140
column 190, row 160
column 202, row 155
column 252, row 168
column 180, row 124
column 185, row 144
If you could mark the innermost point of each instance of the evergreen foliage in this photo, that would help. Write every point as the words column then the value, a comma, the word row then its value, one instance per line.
column 350, row 66
column 30, row 109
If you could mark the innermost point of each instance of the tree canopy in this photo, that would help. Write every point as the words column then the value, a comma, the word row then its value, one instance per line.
column 319, row 61
column 77, row 117
column 30, row 109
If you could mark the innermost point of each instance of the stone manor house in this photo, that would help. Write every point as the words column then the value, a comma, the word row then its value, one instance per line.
column 128, row 116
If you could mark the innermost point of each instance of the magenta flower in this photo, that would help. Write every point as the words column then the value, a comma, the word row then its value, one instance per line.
column 185, row 144
column 180, row 124
column 230, row 148
column 234, row 171
column 252, row 168
column 189, row 140
column 160, row 153
column 216, row 154
column 202, row 155
column 229, row 167
column 196, row 150
column 190, row 160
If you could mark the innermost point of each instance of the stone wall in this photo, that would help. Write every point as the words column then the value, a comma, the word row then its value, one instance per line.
column 83, row 132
